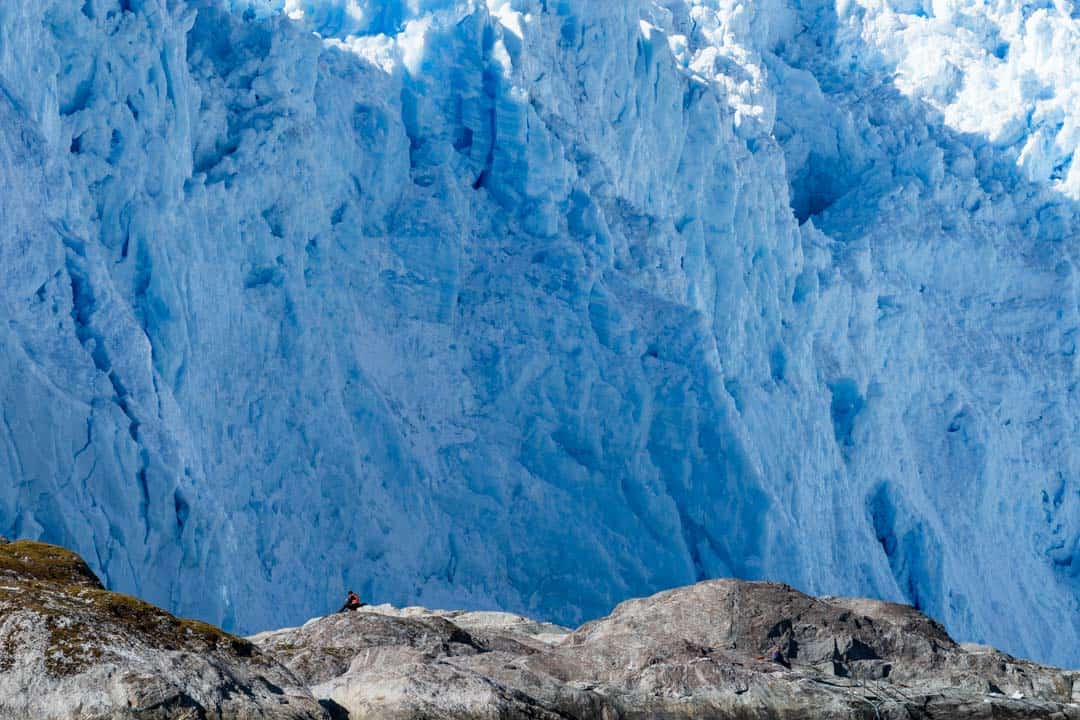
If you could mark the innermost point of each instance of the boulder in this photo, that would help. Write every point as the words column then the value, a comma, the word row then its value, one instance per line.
column 694, row 652
column 69, row 649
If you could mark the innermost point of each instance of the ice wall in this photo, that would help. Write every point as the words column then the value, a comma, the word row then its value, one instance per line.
column 541, row 304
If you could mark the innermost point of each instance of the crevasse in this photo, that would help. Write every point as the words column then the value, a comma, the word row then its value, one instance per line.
column 542, row 304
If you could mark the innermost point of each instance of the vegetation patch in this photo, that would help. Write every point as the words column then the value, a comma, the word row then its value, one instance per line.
column 84, row 620
column 27, row 560
column 7, row 652
column 71, row 647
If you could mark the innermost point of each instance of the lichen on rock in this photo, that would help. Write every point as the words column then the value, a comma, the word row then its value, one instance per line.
column 71, row 649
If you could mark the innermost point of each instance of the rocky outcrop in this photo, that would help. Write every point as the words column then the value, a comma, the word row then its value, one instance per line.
column 695, row 652
column 70, row 649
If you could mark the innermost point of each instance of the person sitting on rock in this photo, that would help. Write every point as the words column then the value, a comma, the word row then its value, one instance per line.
column 352, row 602
column 777, row 656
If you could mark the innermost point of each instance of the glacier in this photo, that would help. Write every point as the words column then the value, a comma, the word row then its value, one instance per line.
column 541, row 304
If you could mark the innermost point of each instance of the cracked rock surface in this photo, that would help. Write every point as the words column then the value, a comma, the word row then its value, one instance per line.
column 694, row 652
column 71, row 650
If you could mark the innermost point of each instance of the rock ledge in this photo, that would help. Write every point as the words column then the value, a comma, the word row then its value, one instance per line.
column 70, row 649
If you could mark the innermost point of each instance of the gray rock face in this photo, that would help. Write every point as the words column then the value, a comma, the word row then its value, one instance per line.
column 71, row 650
column 694, row 652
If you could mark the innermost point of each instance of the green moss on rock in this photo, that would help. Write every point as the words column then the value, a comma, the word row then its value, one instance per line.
column 24, row 560
column 84, row 619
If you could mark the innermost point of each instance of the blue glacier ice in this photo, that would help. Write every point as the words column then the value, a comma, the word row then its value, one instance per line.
column 540, row 304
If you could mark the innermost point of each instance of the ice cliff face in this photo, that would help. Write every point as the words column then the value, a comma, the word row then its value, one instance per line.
column 541, row 304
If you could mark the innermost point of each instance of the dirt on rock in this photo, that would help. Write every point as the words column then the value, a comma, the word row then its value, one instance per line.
column 69, row 649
